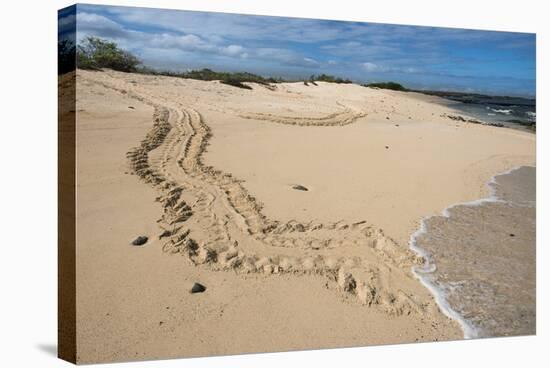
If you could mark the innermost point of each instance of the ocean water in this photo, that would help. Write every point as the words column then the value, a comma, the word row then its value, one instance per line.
column 481, row 258
column 513, row 112
column 519, row 117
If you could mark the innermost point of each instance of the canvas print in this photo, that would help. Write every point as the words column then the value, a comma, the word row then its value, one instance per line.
column 234, row 184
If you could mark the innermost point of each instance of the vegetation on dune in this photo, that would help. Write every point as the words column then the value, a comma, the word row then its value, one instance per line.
column 233, row 79
column 329, row 79
column 95, row 53
column 225, row 77
column 235, row 83
column 312, row 80
column 325, row 78
column 387, row 85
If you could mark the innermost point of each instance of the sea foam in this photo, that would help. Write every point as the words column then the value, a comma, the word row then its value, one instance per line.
column 503, row 111
column 423, row 272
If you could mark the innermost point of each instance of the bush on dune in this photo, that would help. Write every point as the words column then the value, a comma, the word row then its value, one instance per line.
column 232, row 79
column 203, row 74
column 329, row 79
column 387, row 85
column 249, row 77
column 235, row 83
column 95, row 53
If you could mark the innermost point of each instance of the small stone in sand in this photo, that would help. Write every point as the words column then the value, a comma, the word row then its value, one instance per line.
column 131, row 107
column 397, row 125
column 197, row 288
column 387, row 147
column 512, row 235
column 140, row 240
column 300, row 187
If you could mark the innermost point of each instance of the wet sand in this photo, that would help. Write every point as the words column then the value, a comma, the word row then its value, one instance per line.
column 484, row 254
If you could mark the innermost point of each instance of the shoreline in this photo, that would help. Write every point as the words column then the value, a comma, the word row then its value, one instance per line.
column 463, row 112
column 470, row 331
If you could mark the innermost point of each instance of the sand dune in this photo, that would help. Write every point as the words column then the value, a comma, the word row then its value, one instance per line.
column 204, row 138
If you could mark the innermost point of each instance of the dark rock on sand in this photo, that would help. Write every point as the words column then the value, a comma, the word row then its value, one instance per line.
column 198, row 288
column 140, row 240
column 300, row 187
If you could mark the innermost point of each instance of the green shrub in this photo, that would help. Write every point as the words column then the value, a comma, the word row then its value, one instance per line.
column 95, row 53
column 235, row 83
column 233, row 79
column 387, row 85
column 329, row 79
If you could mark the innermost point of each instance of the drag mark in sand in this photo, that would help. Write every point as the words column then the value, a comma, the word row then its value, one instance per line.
column 341, row 118
column 212, row 220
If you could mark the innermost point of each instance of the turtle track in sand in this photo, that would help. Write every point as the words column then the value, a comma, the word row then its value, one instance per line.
column 340, row 118
column 212, row 220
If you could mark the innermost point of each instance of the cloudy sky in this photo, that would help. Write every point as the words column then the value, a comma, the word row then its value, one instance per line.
column 418, row 57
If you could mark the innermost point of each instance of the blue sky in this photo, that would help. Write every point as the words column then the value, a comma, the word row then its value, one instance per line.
column 418, row 57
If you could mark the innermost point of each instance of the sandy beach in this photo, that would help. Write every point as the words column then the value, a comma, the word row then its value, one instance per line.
column 292, row 204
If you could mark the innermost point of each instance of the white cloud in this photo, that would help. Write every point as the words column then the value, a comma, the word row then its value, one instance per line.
column 285, row 56
column 187, row 42
column 372, row 67
column 310, row 61
column 97, row 22
column 377, row 68
column 233, row 50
